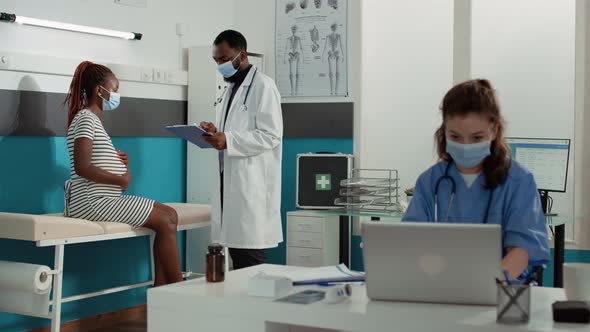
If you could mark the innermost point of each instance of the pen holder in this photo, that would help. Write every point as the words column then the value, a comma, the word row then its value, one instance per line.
column 514, row 304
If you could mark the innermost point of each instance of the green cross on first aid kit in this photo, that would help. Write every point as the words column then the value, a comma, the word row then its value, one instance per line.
column 318, row 178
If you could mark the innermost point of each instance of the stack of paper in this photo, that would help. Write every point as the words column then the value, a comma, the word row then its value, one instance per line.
column 326, row 274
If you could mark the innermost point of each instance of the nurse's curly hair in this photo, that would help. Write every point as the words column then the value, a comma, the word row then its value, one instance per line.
column 87, row 76
column 477, row 96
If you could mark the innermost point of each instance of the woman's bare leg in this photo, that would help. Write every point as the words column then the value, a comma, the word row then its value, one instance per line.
column 164, row 221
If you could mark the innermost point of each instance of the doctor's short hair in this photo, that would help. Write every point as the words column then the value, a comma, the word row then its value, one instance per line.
column 233, row 38
column 479, row 97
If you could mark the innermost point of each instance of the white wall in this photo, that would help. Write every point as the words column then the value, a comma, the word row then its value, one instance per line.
column 157, row 22
column 530, row 60
column 54, row 74
column 407, row 66
column 462, row 41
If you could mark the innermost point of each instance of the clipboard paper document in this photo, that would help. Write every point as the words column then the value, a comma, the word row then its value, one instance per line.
column 192, row 133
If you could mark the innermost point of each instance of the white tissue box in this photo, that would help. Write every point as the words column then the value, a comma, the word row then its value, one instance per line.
column 268, row 286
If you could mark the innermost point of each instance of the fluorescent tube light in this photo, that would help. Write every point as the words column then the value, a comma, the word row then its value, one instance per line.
column 69, row 27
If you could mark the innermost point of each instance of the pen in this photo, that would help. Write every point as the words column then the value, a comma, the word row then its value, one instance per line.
column 507, row 277
column 314, row 283
column 526, row 274
column 353, row 279
column 532, row 277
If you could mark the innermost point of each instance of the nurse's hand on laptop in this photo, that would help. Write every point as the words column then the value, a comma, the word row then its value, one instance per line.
column 515, row 261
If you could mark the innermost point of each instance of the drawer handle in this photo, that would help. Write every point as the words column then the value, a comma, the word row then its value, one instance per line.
column 305, row 256
column 307, row 225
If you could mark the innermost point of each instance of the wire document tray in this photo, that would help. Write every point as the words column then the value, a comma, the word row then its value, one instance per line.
column 370, row 190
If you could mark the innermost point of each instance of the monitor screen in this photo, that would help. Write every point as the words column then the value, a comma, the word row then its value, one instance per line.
column 546, row 158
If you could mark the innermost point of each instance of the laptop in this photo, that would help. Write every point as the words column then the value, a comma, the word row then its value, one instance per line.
column 432, row 262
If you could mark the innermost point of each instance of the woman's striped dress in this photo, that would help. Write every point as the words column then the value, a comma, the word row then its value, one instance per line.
column 94, row 201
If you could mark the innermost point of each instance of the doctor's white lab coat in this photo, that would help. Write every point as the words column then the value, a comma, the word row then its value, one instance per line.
column 251, row 217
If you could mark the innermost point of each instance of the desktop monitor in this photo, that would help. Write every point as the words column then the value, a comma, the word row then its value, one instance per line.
column 546, row 158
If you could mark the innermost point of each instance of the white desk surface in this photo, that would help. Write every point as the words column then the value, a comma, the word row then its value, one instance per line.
column 198, row 305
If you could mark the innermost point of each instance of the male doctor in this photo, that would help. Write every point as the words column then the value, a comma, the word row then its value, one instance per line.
column 246, row 213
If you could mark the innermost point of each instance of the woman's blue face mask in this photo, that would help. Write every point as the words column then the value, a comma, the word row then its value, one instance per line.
column 469, row 139
column 468, row 155
column 112, row 103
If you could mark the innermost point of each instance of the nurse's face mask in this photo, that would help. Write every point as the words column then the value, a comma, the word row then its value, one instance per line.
column 469, row 139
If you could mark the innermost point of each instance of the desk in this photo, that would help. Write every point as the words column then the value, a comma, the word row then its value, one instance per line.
column 198, row 306
column 557, row 222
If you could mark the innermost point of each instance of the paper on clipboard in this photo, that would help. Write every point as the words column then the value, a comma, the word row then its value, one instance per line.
column 192, row 133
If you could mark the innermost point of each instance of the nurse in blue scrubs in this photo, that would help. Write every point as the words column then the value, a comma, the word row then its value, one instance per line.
column 475, row 180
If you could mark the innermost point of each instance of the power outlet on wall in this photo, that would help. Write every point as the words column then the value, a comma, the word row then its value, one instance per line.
column 146, row 74
column 169, row 76
column 158, row 75
column 4, row 61
column 181, row 29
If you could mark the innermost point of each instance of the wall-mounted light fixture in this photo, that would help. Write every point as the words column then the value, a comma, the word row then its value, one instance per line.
column 12, row 18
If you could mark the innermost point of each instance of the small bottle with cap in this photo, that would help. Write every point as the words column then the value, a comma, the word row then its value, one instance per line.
column 215, row 268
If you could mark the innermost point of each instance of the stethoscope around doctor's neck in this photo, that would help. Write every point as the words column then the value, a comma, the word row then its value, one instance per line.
column 453, row 185
column 244, row 107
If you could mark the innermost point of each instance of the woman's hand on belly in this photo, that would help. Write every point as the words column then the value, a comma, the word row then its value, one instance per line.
column 125, row 181
column 124, row 157
column 85, row 168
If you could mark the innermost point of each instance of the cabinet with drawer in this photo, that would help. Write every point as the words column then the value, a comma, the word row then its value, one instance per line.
column 312, row 239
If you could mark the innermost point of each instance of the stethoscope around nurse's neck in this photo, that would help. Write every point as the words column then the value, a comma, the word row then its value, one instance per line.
column 453, row 184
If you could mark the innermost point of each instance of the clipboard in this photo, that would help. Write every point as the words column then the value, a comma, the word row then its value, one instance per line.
column 192, row 133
